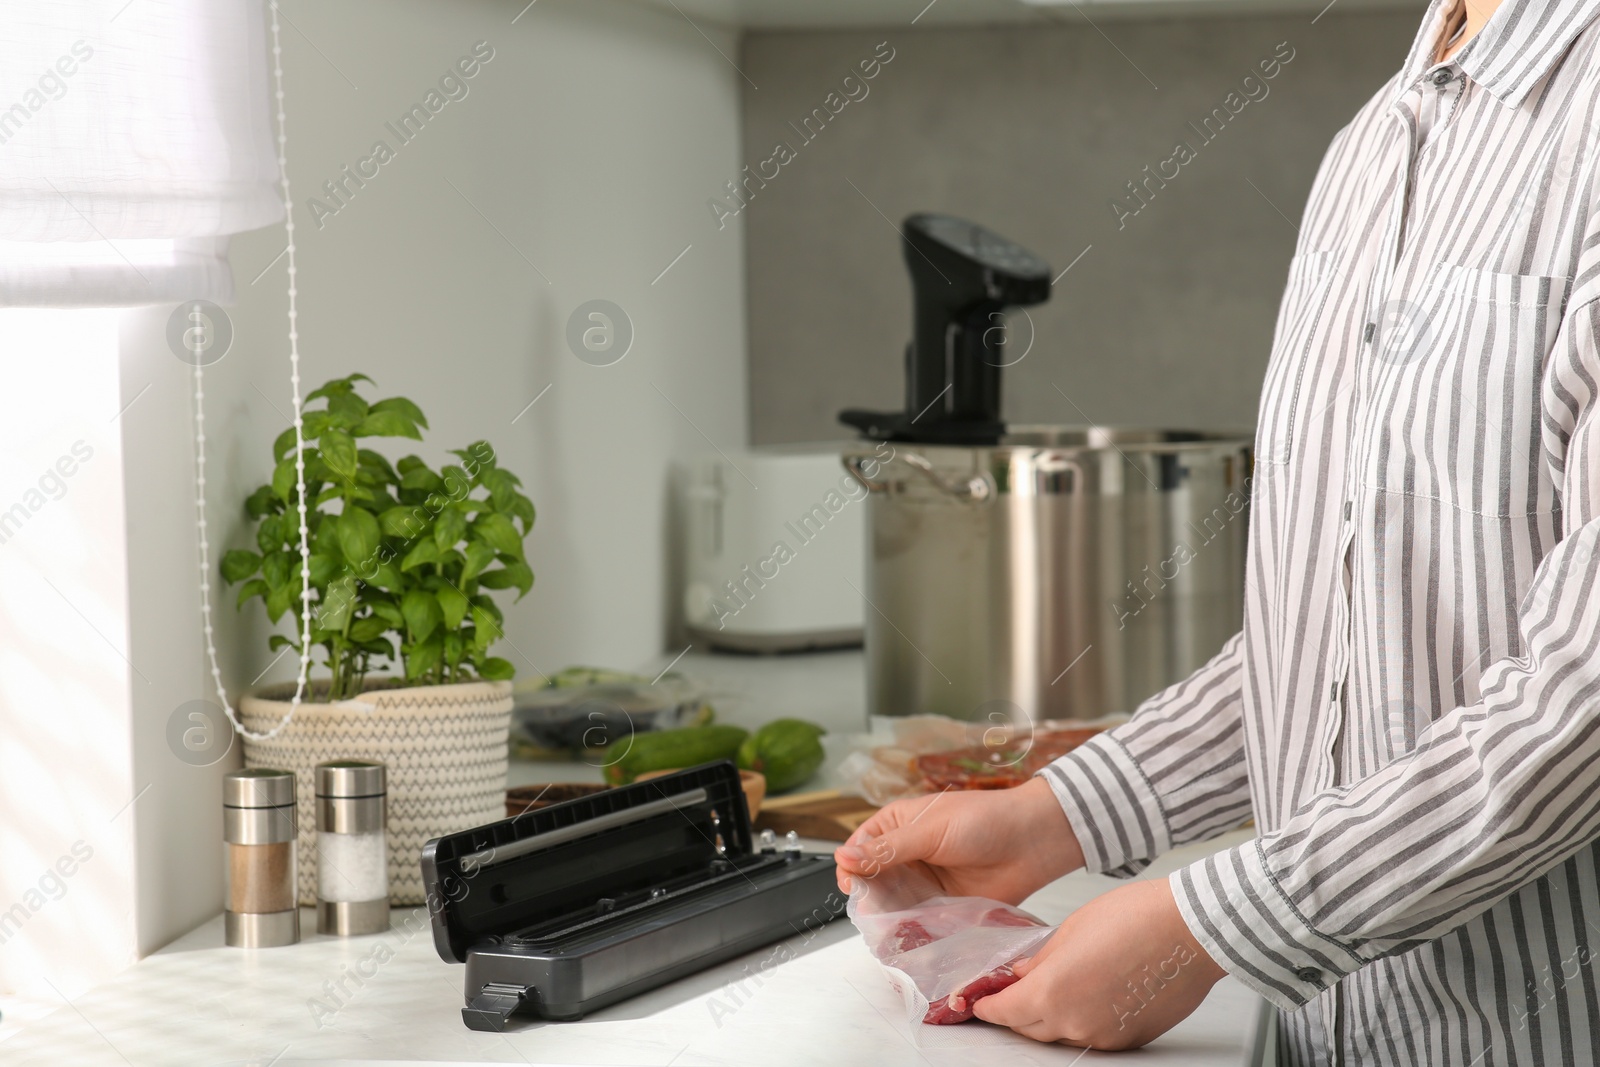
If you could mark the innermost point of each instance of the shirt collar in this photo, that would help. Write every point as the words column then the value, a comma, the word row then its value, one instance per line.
column 1516, row 48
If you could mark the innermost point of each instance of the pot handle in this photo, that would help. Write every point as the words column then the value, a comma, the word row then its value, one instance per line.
column 976, row 489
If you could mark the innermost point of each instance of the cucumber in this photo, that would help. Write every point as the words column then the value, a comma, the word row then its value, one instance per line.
column 787, row 751
column 585, row 677
column 672, row 750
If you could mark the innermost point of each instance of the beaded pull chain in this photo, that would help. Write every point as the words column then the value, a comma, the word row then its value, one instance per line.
column 299, row 449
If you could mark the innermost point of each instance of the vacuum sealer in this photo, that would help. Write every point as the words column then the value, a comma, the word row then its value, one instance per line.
column 568, row 908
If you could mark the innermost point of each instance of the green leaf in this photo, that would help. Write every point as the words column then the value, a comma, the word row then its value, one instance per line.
column 455, row 646
column 325, row 541
column 487, row 604
column 421, row 554
column 512, row 575
column 422, row 613
column 339, row 453
column 277, row 641
column 358, row 537
column 502, row 488
column 457, row 483
column 269, row 535
column 368, row 629
column 523, row 509
column 390, row 613
column 404, row 522
column 479, row 556
column 254, row 587
column 423, row 658
column 338, row 604
column 450, row 527
column 420, row 478
column 477, row 456
column 372, row 462
column 337, row 387
column 346, row 410
column 386, row 424
column 283, row 444
column 262, row 502
column 379, row 647
column 278, row 601
column 454, row 604
column 275, row 569
column 283, row 479
column 404, row 407
column 498, row 533
column 407, row 464
column 380, row 500
column 496, row 669
column 239, row 565
column 387, row 576
column 323, row 568
column 485, row 628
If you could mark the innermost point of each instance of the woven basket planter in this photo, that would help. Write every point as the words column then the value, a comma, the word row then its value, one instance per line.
column 444, row 746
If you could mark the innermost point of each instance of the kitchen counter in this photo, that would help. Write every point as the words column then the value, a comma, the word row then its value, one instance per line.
column 390, row 999
column 827, row 688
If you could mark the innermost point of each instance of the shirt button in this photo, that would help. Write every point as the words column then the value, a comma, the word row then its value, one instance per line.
column 1442, row 77
column 1309, row 974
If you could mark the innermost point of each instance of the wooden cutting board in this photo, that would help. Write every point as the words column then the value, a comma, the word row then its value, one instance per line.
column 826, row 815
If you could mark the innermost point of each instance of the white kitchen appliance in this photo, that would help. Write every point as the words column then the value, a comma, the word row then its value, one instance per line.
column 773, row 543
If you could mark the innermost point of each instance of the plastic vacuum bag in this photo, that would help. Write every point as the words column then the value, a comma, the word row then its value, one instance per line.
column 921, row 754
column 942, row 953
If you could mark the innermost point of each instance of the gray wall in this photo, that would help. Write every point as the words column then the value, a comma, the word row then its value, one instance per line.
column 1166, row 321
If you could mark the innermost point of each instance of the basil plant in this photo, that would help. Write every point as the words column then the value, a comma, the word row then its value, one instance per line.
column 403, row 557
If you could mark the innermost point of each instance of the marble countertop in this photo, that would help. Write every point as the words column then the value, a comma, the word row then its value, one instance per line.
column 390, row 999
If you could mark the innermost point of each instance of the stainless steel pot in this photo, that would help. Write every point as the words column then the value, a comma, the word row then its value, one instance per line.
column 1064, row 573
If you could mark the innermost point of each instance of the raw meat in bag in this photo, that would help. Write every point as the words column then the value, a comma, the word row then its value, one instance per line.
column 943, row 953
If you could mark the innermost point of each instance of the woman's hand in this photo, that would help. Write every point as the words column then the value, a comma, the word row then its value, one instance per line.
column 1004, row 844
column 1121, row 971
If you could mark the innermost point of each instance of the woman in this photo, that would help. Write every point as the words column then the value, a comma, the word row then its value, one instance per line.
column 1411, row 712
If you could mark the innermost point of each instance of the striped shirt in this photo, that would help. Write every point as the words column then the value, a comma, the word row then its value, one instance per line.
column 1411, row 711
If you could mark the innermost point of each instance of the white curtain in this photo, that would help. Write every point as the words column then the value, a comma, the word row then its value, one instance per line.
column 135, row 136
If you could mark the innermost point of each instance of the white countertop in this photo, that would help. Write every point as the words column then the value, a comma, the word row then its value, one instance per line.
column 198, row 1002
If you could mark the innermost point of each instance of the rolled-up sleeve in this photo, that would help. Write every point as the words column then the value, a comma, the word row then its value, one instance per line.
column 1173, row 774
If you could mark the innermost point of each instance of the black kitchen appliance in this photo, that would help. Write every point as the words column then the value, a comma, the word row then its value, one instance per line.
column 571, row 907
column 963, row 277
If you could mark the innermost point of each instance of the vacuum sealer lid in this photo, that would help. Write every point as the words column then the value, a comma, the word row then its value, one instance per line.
column 547, row 864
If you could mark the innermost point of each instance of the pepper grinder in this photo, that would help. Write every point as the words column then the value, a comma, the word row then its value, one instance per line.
column 352, row 850
column 258, row 829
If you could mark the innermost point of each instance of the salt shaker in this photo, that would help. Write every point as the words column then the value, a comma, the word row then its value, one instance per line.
column 352, row 851
column 258, row 831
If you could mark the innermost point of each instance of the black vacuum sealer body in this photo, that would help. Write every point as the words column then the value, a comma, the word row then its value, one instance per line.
column 567, row 909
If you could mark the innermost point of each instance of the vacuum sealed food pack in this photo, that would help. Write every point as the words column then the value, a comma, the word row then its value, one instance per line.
column 942, row 953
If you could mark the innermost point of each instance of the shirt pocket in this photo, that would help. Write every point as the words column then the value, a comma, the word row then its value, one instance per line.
column 1300, row 315
column 1456, row 389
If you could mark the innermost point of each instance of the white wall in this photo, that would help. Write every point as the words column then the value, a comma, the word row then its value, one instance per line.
column 591, row 141
column 66, row 676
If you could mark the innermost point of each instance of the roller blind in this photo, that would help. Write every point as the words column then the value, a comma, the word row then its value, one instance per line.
column 135, row 137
